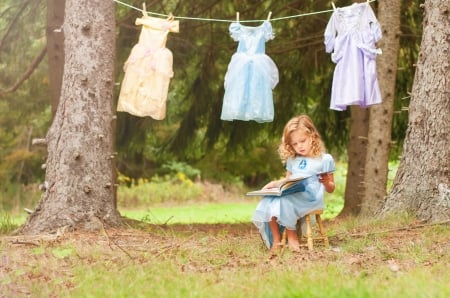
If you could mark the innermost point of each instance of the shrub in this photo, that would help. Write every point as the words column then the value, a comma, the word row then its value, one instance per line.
column 159, row 190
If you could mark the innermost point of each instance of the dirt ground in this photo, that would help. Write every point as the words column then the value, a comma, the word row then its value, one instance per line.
column 19, row 254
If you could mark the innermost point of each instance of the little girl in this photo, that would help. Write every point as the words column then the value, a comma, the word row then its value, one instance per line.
column 303, row 152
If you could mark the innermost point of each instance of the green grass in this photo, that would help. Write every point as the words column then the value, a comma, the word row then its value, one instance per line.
column 9, row 223
column 228, row 263
column 203, row 213
column 199, row 213
column 315, row 280
column 209, row 213
column 175, row 257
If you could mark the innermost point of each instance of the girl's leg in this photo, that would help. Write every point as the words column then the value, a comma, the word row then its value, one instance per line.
column 275, row 229
column 293, row 240
column 276, row 235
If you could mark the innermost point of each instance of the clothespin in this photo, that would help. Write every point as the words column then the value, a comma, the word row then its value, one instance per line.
column 270, row 14
column 170, row 17
column 334, row 6
column 144, row 10
column 237, row 16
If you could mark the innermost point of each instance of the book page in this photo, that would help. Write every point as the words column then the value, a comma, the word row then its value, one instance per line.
column 265, row 192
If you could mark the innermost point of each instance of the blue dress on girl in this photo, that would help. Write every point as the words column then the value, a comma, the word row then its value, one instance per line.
column 251, row 76
column 290, row 207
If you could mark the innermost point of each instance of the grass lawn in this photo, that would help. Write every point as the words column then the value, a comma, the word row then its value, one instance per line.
column 388, row 258
column 198, row 213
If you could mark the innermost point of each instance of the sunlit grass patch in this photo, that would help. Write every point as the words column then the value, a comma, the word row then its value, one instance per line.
column 7, row 223
column 200, row 213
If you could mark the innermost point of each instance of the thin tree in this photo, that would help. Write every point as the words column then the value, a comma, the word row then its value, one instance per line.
column 80, row 186
column 55, row 49
column 357, row 151
column 421, row 186
column 380, row 116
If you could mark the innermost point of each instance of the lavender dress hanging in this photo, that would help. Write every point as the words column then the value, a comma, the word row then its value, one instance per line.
column 350, row 36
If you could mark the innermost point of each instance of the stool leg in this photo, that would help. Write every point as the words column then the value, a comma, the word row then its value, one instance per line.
column 284, row 237
column 322, row 230
column 299, row 230
column 309, row 232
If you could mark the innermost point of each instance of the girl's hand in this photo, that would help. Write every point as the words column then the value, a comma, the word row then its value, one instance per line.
column 327, row 180
column 324, row 178
column 272, row 184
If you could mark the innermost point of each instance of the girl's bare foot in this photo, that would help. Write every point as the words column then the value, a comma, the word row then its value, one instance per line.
column 294, row 246
column 276, row 248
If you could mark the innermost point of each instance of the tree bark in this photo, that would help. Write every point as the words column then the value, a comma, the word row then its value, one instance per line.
column 421, row 186
column 79, row 182
column 357, row 150
column 380, row 116
column 55, row 49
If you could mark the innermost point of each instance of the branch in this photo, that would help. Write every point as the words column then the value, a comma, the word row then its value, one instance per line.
column 28, row 73
column 39, row 142
column 13, row 23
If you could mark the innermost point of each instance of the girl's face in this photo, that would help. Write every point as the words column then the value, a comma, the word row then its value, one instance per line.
column 301, row 142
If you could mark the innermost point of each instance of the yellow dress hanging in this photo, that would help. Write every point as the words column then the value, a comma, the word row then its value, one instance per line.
column 148, row 70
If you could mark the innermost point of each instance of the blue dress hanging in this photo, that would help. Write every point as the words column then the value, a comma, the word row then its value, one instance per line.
column 251, row 76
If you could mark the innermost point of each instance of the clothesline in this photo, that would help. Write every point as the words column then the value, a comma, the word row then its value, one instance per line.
column 251, row 74
column 229, row 21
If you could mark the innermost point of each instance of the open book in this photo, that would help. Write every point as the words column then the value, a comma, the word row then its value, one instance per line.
column 289, row 185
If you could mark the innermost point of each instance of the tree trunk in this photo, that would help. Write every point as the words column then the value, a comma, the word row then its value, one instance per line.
column 380, row 116
column 421, row 186
column 79, row 182
column 357, row 148
column 55, row 49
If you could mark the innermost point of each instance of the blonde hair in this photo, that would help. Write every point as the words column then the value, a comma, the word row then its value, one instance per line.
column 304, row 124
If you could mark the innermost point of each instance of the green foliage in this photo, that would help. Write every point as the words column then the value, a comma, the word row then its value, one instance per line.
column 7, row 224
column 24, row 112
column 15, row 196
column 334, row 202
column 159, row 190
column 192, row 135
column 181, row 167
column 392, row 171
column 253, row 166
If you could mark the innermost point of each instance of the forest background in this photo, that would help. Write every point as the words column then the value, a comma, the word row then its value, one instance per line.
column 192, row 140
column 384, row 257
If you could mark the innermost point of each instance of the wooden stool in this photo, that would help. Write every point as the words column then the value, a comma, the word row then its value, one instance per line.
column 309, row 237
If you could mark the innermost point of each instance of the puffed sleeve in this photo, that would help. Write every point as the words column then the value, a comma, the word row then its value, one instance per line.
column 330, row 34
column 173, row 26
column 235, row 31
column 328, row 164
column 375, row 27
column 159, row 24
column 268, row 31
column 289, row 165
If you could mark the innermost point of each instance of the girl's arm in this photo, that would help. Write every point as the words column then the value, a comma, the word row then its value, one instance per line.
column 328, row 182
